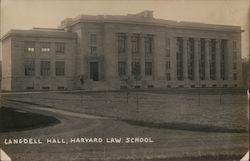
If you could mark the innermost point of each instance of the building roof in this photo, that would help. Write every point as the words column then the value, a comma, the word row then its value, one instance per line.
column 147, row 18
column 41, row 32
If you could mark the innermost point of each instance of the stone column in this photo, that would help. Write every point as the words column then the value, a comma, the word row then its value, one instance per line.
column 207, row 63
column 196, row 59
column 154, row 56
column 218, row 55
column 142, row 55
column 229, row 63
column 173, row 61
column 129, row 54
column 37, row 60
column 52, row 60
column 185, row 59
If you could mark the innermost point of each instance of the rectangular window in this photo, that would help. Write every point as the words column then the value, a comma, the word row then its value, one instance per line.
column 234, row 45
column 122, row 68
column 148, row 45
column 235, row 66
column 29, row 47
column 213, row 45
column 136, row 70
column 168, row 76
column 235, row 76
column 235, row 55
column 179, row 58
column 29, row 68
column 45, row 47
column 135, row 43
column 168, row 65
column 60, row 68
column 168, row 47
column 148, row 68
column 44, row 68
column 93, row 39
column 121, row 43
column 168, row 53
column 60, row 47
column 93, row 50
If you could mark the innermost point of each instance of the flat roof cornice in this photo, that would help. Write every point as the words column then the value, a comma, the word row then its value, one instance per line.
column 40, row 33
column 202, row 27
column 150, row 21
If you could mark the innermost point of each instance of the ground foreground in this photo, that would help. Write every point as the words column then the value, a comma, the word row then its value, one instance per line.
column 182, row 126
column 19, row 120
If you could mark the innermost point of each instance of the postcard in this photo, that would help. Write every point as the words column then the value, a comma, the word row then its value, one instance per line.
column 106, row 80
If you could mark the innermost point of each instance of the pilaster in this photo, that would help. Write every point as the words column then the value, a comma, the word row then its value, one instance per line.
column 185, row 59
column 196, row 59
column 207, row 61
column 129, row 54
column 218, row 61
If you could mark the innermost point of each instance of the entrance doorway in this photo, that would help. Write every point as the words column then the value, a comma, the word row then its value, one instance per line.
column 94, row 71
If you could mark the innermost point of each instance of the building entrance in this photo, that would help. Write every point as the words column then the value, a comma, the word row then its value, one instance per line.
column 94, row 71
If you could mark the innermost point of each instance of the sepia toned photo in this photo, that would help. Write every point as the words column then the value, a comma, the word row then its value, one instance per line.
column 123, row 80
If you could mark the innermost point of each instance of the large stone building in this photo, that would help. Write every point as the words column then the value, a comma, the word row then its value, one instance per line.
column 90, row 51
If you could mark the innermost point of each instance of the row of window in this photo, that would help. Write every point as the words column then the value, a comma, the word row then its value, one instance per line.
column 136, row 66
column 45, row 47
column 45, row 68
column 122, row 68
column 135, row 43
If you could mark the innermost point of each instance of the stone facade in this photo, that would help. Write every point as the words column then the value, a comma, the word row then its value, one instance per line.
column 109, row 51
column 22, row 57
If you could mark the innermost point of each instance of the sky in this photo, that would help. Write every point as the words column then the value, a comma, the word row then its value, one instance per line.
column 26, row 14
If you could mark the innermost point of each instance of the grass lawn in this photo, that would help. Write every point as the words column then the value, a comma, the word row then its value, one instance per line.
column 204, row 125
column 175, row 109
column 16, row 120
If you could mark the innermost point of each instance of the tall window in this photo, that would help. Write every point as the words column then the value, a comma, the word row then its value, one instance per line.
column 167, row 47
column 202, row 59
column 167, row 65
column 213, row 59
column 29, row 47
column 29, row 68
column 223, row 62
column 235, row 55
column 122, row 68
column 93, row 39
column 234, row 45
column 191, row 58
column 60, row 68
column 45, row 47
column 135, row 43
column 60, row 47
column 179, row 58
column 93, row 42
column 235, row 65
column 235, row 76
column 148, row 68
column 121, row 43
column 93, row 50
column 44, row 68
column 136, row 70
column 148, row 45
column 168, row 76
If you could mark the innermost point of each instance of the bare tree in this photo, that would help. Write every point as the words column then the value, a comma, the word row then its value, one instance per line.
column 137, row 74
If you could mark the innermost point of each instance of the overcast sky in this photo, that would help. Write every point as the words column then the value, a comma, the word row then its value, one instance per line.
column 25, row 14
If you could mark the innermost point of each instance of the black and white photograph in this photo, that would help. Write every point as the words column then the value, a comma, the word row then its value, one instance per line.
column 123, row 80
